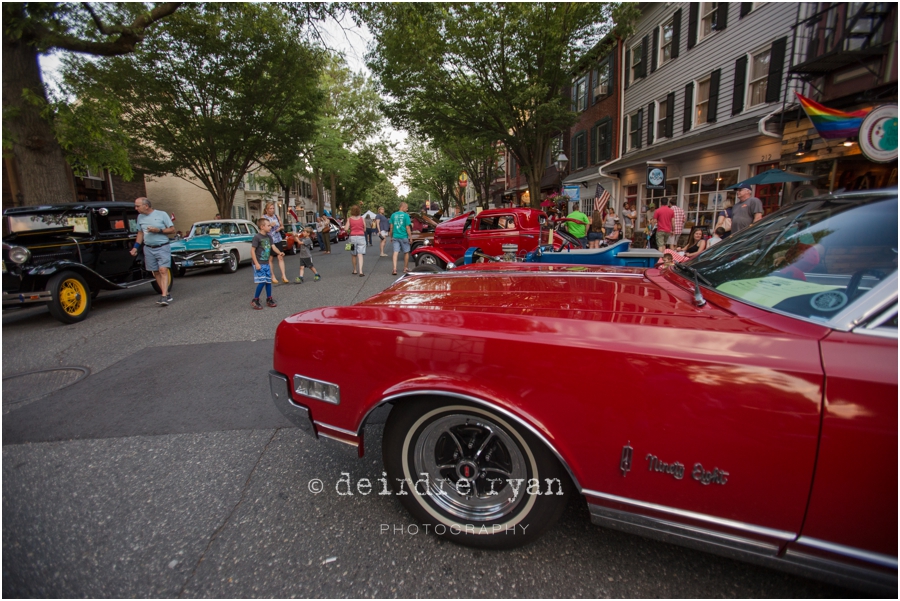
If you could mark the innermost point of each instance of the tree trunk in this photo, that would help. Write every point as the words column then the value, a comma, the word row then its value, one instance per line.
column 43, row 174
column 334, row 208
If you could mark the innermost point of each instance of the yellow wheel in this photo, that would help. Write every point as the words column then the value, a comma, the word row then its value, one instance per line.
column 71, row 300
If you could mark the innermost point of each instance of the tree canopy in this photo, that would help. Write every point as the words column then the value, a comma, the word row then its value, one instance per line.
column 31, row 28
column 213, row 89
column 486, row 71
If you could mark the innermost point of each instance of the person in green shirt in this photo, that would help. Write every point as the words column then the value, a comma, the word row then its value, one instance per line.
column 578, row 230
column 401, row 230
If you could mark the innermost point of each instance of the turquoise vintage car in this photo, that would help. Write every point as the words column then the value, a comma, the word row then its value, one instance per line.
column 221, row 242
column 619, row 254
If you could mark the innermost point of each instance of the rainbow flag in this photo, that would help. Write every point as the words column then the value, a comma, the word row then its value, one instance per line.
column 831, row 123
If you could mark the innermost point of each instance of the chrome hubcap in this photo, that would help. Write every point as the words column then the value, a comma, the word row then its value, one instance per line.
column 466, row 463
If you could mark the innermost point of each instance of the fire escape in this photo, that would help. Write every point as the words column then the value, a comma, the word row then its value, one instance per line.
column 840, row 35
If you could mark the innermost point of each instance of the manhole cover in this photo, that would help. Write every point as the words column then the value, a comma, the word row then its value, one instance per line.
column 32, row 385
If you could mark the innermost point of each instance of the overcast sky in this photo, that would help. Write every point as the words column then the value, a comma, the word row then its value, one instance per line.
column 344, row 37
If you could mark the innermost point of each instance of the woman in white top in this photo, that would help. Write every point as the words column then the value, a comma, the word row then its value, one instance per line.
column 277, row 235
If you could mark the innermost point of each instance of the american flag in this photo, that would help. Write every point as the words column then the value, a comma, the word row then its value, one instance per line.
column 294, row 215
column 601, row 198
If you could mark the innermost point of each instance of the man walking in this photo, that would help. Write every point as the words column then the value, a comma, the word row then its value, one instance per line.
column 747, row 209
column 383, row 225
column 662, row 218
column 401, row 230
column 153, row 226
column 578, row 230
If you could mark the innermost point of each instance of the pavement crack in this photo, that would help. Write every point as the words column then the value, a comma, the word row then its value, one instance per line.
column 227, row 519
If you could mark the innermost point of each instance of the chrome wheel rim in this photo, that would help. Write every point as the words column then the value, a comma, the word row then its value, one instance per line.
column 466, row 463
column 428, row 260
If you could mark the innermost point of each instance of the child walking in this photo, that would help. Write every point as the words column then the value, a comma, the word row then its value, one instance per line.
column 262, row 272
column 305, row 253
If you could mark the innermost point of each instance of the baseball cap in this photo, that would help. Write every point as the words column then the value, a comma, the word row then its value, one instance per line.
column 743, row 185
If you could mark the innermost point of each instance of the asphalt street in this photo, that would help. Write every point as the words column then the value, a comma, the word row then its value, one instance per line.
column 142, row 457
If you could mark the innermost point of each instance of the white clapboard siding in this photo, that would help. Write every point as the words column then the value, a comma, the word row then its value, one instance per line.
column 742, row 36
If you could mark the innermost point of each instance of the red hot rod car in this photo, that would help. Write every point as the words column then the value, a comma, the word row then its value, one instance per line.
column 490, row 230
column 747, row 404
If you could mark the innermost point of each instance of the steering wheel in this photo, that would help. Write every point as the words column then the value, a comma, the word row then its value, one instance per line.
column 856, row 278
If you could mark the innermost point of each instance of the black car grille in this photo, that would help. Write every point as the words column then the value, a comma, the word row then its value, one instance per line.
column 48, row 257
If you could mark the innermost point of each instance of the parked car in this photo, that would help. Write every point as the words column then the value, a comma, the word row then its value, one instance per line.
column 744, row 402
column 224, row 243
column 64, row 255
column 620, row 254
column 490, row 230
column 422, row 230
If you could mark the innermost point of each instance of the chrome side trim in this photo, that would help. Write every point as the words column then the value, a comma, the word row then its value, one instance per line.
column 665, row 530
column 482, row 403
column 701, row 517
column 336, row 429
column 355, row 445
column 876, row 558
column 843, row 574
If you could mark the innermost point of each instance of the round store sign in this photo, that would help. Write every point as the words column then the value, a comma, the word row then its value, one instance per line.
column 878, row 134
column 656, row 178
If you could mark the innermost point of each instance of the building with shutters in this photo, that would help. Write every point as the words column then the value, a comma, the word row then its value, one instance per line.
column 596, row 97
column 702, row 82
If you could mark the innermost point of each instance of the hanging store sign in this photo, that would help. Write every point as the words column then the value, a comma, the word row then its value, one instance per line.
column 878, row 134
column 656, row 177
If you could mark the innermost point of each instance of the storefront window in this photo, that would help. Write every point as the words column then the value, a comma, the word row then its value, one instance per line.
column 651, row 200
column 706, row 195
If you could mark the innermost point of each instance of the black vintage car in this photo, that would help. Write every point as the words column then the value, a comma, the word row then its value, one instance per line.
column 63, row 255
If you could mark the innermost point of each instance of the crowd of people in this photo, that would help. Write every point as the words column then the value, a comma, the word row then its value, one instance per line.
column 269, row 245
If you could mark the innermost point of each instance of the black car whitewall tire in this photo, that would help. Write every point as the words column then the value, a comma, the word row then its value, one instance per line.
column 231, row 264
column 71, row 297
column 431, row 447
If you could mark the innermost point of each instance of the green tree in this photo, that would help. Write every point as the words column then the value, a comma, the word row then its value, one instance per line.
column 429, row 169
column 214, row 89
column 498, row 69
column 32, row 28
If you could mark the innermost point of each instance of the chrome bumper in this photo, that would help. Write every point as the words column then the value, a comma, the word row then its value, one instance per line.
column 281, row 396
column 204, row 259
column 22, row 298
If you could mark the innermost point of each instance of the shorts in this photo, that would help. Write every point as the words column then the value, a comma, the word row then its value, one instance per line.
column 661, row 238
column 263, row 275
column 673, row 240
column 594, row 236
column 383, row 234
column 154, row 258
column 281, row 244
column 401, row 245
column 359, row 245
column 306, row 262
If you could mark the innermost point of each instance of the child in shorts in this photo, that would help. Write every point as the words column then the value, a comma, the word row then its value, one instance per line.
column 305, row 253
column 262, row 247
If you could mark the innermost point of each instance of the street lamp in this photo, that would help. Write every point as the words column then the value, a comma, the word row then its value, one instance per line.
column 561, row 161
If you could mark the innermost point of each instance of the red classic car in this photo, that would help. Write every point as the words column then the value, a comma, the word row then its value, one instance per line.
column 743, row 403
column 490, row 230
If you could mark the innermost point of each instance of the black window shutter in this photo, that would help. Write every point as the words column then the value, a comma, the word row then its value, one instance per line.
column 688, row 106
column 740, row 83
column 612, row 71
column 594, row 75
column 624, row 135
column 776, row 70
column 712, row 108
column 676, row 33
column 746, row 7
column 574, row 88
column 627, row 66
column 645, row 49
column 582, row 149
column 655, row 57
column 606, row 128
column 640, row 127
column 593, row 148
column 693, row 23
column 721, row 16
column 670, row 114
column 651, row 118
